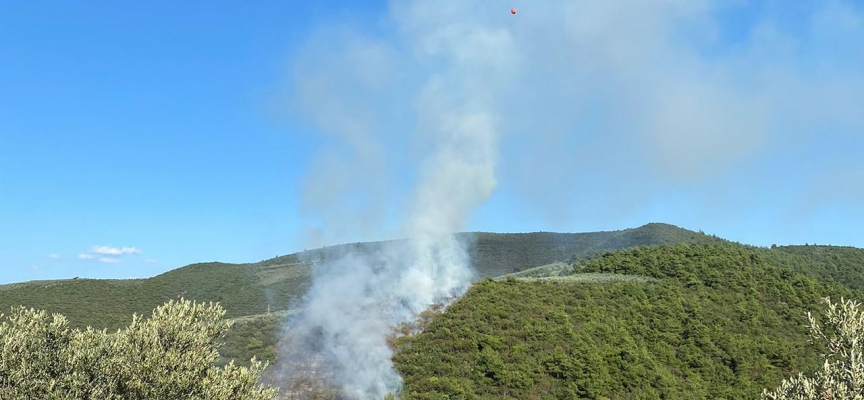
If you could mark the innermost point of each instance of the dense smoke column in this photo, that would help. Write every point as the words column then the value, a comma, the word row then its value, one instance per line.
column 358, row 297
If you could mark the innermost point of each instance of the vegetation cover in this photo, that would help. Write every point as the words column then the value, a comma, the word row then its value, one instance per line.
column 241, row 289
column 842, row 373
column 699, row 317
column 840, row 264
column 171, row 355
column 714, row 321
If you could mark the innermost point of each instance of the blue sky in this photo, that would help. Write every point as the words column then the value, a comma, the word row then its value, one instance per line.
column 174, row 133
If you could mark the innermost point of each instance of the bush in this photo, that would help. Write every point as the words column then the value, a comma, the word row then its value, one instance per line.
column 171, row 355
column 842, row 373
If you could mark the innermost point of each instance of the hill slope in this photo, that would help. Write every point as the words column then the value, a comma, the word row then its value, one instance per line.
column 242, row 289
column 714, row 321
column 278, row 283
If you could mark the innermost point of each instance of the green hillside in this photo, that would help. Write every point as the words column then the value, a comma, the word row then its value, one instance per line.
column 695, row 317
column 248, row 289
column 723, row 279
column 243, row 289
column 714, row 321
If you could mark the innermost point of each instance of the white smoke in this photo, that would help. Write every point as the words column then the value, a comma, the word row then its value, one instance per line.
column 357, row 297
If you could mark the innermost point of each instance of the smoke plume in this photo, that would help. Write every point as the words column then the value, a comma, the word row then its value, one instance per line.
column 357, row 297
column 577, row 110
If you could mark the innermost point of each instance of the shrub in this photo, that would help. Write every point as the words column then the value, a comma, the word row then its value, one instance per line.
column 842, row 373
column 171, row 355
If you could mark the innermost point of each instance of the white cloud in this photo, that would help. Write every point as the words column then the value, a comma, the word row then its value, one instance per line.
column 54, row 256
column 107, row 254
column 150, row 261
column 114, row 251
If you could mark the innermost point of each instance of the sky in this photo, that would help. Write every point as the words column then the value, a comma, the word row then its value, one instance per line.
column 136, row 138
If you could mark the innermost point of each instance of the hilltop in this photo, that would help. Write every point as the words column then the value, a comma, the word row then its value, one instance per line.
column 277, row 284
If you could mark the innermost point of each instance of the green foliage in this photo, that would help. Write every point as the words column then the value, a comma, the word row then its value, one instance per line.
column 253, row 336
column 710, row 321
column 721, row 284
column 828, row 263
column 842, row 372
column 171, row 355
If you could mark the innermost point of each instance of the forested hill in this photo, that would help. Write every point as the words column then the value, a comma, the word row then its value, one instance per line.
column 706, row 321
column 651, row 312
column 276, row 284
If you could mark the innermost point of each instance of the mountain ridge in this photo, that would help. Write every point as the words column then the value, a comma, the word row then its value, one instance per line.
column 278, row 283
